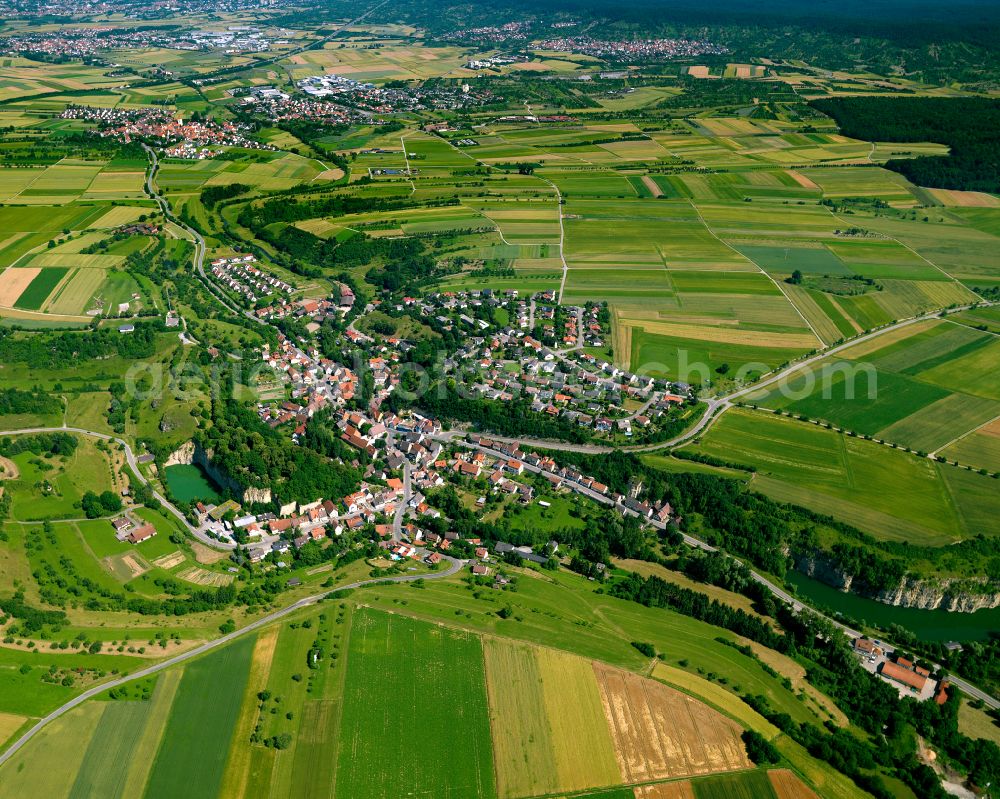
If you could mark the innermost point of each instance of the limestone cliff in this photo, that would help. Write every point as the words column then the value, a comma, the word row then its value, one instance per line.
column 960, row 596
column 190, row 453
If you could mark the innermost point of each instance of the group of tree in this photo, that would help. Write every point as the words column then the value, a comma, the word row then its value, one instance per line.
column 98, row 505
column 968, row 125
column 17, row 401
column 39, row 444
column 56, row 350
column 254, row 455
column 213, row 195
column 512, row 418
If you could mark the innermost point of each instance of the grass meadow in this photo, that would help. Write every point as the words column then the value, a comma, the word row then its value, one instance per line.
column 886, row 492
column 522, row 712
column 192, row 754
column 386, row 653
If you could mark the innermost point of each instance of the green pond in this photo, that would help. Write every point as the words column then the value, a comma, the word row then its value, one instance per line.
column 928, row 625
column 189, row 482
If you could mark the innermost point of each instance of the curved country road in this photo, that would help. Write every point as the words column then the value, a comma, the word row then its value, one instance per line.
column 196, row 237
column 715, row 407
column 454, row 566
column 133, row 464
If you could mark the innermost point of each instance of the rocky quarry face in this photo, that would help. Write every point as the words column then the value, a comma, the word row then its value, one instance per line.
column 959, row 596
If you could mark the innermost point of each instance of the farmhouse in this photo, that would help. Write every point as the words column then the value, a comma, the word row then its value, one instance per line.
column 912, row 680
column 867, row 647
column 121, row 523
column 140, row 534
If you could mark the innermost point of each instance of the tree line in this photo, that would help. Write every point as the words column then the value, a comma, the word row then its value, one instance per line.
column 968, row 125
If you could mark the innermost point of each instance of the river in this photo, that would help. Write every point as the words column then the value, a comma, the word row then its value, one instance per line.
column 928, row 625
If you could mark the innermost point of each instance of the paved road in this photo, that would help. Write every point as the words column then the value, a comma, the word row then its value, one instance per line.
column 397, row 518
column 133, row 464
column 453, row 567
column 714, row 407
column 778, row 592
column 196, row 237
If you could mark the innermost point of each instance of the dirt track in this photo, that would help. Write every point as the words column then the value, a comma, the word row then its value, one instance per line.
column 8, row 469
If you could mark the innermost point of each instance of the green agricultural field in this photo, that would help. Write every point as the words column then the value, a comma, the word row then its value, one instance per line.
column 895, row 391
column 696, row 360
column 110, row 752
column 37, row 292
column 723, row 283
column 811, row 259
column 863, row 399
column 749, row 785
column 193, row 749
column 888, row 493
column 382, row 646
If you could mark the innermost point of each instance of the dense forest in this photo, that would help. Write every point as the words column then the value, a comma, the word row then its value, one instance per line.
column 55, row 350
column 253, row 454
column 255, row 216
column 969, row 126
column 13, row 400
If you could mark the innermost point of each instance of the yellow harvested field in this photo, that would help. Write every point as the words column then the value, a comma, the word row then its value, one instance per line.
column 170, row 560
column 237, row 774
column 660, row 732
column 9, row 724
column 621, row 339
column 788, row 786
column 716, row 696
column 119, row 215
column 49, row 766
column 965, row 199
column 549, row 730
column 698, row 72
column 652, row 186
column 13, row 282
column 207, row 555
column 204, row 577
column 801, row 179
column 19, row 313
column 666, row 790
column 891, row 337
column 133, row 565
column 726, row 335
column 72, row 296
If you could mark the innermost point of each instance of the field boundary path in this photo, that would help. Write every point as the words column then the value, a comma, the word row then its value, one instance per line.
column 562, row 237
column 454, row 566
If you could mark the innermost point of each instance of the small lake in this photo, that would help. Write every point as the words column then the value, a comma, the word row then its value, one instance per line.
column 928, row 625
column 188, row 482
